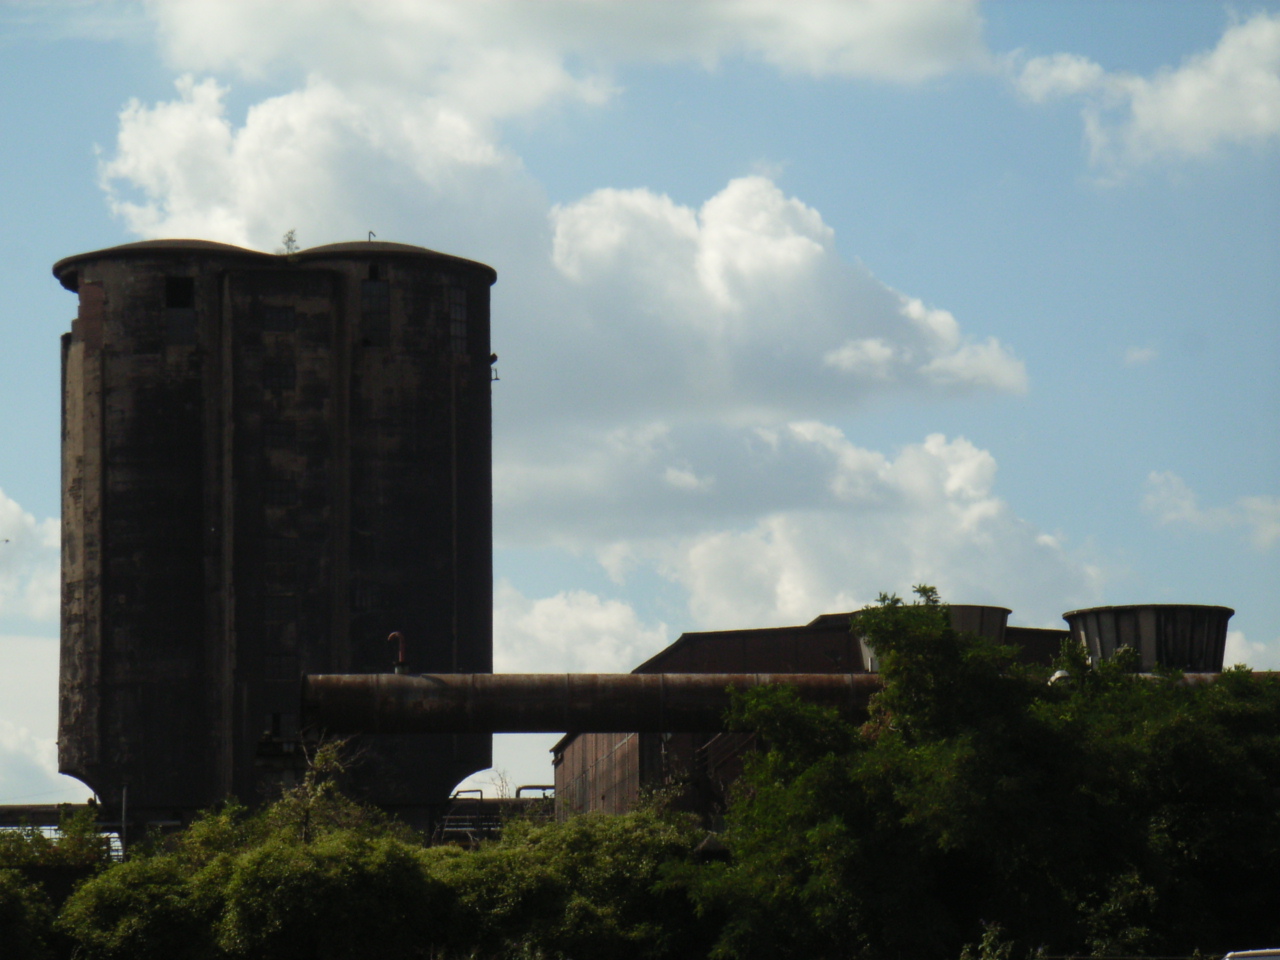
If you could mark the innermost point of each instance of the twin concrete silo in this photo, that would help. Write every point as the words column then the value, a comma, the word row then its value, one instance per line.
column 270, row 463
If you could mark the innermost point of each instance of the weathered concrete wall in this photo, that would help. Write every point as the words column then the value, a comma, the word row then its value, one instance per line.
column 270, row 463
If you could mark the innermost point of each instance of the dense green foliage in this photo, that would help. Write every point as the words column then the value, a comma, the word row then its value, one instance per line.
column 37, row 873
column 25, row 917
column 317, row 876
column 596, row 886
column 981, row 811
column 1104, row 814
column 312, row 876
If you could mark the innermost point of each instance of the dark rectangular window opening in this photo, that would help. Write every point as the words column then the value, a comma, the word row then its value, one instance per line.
column 375, row 312
column 179, row 311
column 179, row 293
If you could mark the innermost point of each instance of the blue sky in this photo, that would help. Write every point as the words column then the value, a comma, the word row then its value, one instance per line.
column 796, row 303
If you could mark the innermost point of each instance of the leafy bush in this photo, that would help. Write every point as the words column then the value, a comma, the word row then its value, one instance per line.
column 141, row 909
column 342, row 896
column 26, row 918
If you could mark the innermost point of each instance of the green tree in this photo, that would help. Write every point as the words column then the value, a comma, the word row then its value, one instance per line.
column 592, row 887
column 146, row 908
column 1107, row 813
column 343, row 895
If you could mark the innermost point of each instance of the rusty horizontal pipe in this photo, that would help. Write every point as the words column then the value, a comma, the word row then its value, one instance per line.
column 553, row 702
column 559, row 702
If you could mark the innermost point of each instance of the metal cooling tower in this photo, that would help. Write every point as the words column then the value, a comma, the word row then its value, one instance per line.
column 269, row 464
column 1181, row 636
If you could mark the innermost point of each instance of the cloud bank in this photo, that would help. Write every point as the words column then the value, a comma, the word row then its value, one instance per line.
column 506, row 55
column 673, row 374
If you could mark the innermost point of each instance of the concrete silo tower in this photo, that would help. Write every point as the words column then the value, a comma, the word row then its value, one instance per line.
column 269, row 464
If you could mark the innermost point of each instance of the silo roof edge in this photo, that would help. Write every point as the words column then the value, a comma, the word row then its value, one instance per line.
column 64, row 268
column 385, row 248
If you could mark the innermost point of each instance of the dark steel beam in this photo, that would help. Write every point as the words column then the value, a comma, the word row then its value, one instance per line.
column 553, row 702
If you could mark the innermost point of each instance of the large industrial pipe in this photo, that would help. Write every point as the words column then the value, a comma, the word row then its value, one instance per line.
column 557, row 702
column 553, row 702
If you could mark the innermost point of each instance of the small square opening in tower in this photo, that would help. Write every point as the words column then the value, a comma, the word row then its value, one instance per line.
column 179, row 293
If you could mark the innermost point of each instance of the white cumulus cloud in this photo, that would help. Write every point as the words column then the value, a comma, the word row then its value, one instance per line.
column 573, row 631
column 1227, row 95
column 928, row 514
column 29, row 724
column 683, row 479
column 28, row 766
column 181, row 168
column 30, row 573
column 803, row 521
column 871, row 357
column 1259, row 656
column 744, row 301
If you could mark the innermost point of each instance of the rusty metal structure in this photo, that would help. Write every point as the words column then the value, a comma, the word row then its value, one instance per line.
column 545, row 702
column 604, row 769
column 269, row 464
column 551, row 702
